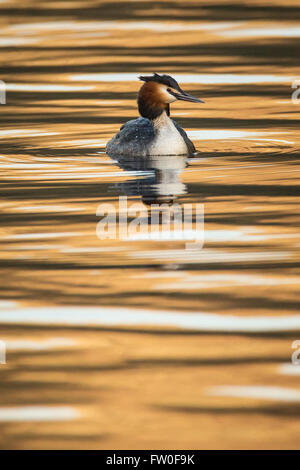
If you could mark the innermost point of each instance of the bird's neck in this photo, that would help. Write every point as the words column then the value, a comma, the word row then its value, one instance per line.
column 161, row 121
column 152, row 110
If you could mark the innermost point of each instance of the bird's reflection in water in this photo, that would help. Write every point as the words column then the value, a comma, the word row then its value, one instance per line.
column 161, row 184
column 156, row 179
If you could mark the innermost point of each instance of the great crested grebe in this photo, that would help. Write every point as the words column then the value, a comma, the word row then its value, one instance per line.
column 154, row 133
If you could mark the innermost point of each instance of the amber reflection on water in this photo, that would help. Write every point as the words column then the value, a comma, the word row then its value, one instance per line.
column 158, row 375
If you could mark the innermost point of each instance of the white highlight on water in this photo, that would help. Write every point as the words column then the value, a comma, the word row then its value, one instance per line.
column 118, row 317
column 45, row 87
column 41, row 345
column 289, row 369
column 38, row 413
column 258, row 392
column 204, row 79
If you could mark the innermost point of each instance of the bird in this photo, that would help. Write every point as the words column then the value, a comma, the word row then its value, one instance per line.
column 154, row 133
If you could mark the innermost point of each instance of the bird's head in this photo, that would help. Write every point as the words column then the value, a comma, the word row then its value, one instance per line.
column 158, row 92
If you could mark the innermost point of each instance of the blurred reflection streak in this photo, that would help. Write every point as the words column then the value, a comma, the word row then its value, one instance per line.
column 258, row 392
column 224, row 134
column 290, row 31
column 41, row 345
column 209, row 281
column 38, row 413
column 6, row 42
column 34, row 236
column 289, row 369
column 157, row 26
column 46, row 87
column 143, row 320
column 25, row 133
column 212, row 256
column 204, row 78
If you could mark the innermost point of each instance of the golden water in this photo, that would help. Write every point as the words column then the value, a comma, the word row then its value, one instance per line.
column 144, row 344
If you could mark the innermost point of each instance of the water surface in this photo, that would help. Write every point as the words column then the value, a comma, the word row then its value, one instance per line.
column 139, row 343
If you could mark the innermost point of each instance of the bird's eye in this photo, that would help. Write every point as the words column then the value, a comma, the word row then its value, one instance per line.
column 169, row 90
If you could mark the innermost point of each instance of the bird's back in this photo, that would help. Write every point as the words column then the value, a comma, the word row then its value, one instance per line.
column 133, row 139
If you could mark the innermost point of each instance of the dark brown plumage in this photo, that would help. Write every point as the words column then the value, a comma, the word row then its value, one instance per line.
column 150, row 101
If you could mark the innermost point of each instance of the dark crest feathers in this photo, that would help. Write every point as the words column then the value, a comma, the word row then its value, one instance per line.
column 164, row 79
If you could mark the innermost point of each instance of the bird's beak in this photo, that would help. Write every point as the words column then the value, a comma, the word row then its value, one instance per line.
column 186, row 97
